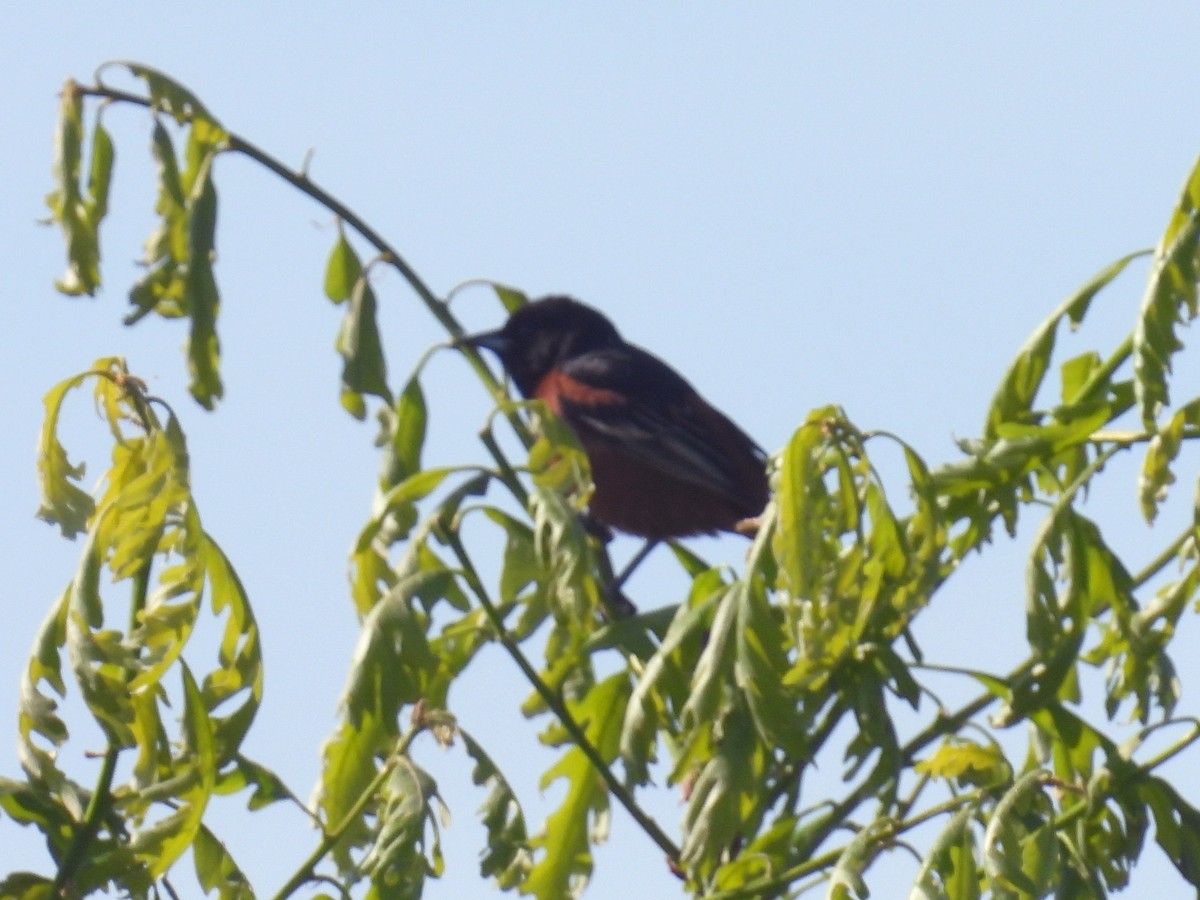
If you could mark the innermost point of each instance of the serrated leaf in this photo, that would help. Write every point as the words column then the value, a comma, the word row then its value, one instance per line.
column 957, row 757
column 1156, row 475
column 507, row 856
column 392, row 663
column 1170, row 298
column 723, row 799
column 565, row 863
column 1018, row 389
column 63, row 502
column 639, row 730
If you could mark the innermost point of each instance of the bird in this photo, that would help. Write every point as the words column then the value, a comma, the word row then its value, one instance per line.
column 665, row 463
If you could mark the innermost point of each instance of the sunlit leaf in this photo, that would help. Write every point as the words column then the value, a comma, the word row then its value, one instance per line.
column 343, row 270
column 1019, row 387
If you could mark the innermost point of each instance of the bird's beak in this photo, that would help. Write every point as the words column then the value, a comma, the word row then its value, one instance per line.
column 496, row 341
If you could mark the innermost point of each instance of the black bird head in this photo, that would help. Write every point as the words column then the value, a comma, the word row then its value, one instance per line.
column 542, row 334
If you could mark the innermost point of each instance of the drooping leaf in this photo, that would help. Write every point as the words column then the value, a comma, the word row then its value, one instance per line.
column 948, row 871
column 845, row 881
column 1007, row 830
column 507, row 857
column 63, row 502
column 79, row 216
column 159, row 845
column 200, row 296
column 343, row 270
column 216, row 869
column 364, row 370
column 1170, row 298
column 1162, row 451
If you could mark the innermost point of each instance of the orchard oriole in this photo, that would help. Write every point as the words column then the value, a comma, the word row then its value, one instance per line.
column 665, row 463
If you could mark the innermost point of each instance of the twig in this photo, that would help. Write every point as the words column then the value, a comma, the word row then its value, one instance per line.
column 554, row 702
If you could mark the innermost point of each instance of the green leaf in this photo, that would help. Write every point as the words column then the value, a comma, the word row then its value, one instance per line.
column 723, row 800
column 161, row 288
column 712, row 674
column 268, row 787
column 63, row 502
column 395, row 860
column 760, row 666
column 1164, row 448
column 392, row 663
column 343, row 270
column 170, row 96
column 37, row 713
column 1170, row 298
column 1007, row 829
column 161, row 844
column 957, row 758
column 511, row 298
column 78, row 216
column 1176, row 826
column 798, row 539
column 1019, row 387
column 565, row 863
column 507, row 856
column 200, row 292
column 216, row 869
column 349, row 764
column 639, row 730
column 408, row 435
column 364, row 370
column 948, row 870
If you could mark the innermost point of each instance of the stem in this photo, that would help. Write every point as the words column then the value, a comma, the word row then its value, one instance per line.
column 1099, row 379
column 556, row 705
column 86, row 833
column 1163, row 559
column 305, row 873
column 764, row 888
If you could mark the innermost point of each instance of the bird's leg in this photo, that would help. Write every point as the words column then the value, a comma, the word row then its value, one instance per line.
column 638, row 557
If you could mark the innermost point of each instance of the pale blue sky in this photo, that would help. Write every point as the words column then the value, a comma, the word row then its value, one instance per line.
column 797, row 204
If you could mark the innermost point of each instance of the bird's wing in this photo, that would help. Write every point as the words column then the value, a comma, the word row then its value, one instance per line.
column 640, row 406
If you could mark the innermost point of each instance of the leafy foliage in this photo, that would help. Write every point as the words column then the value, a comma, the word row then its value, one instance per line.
column 732, row 694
